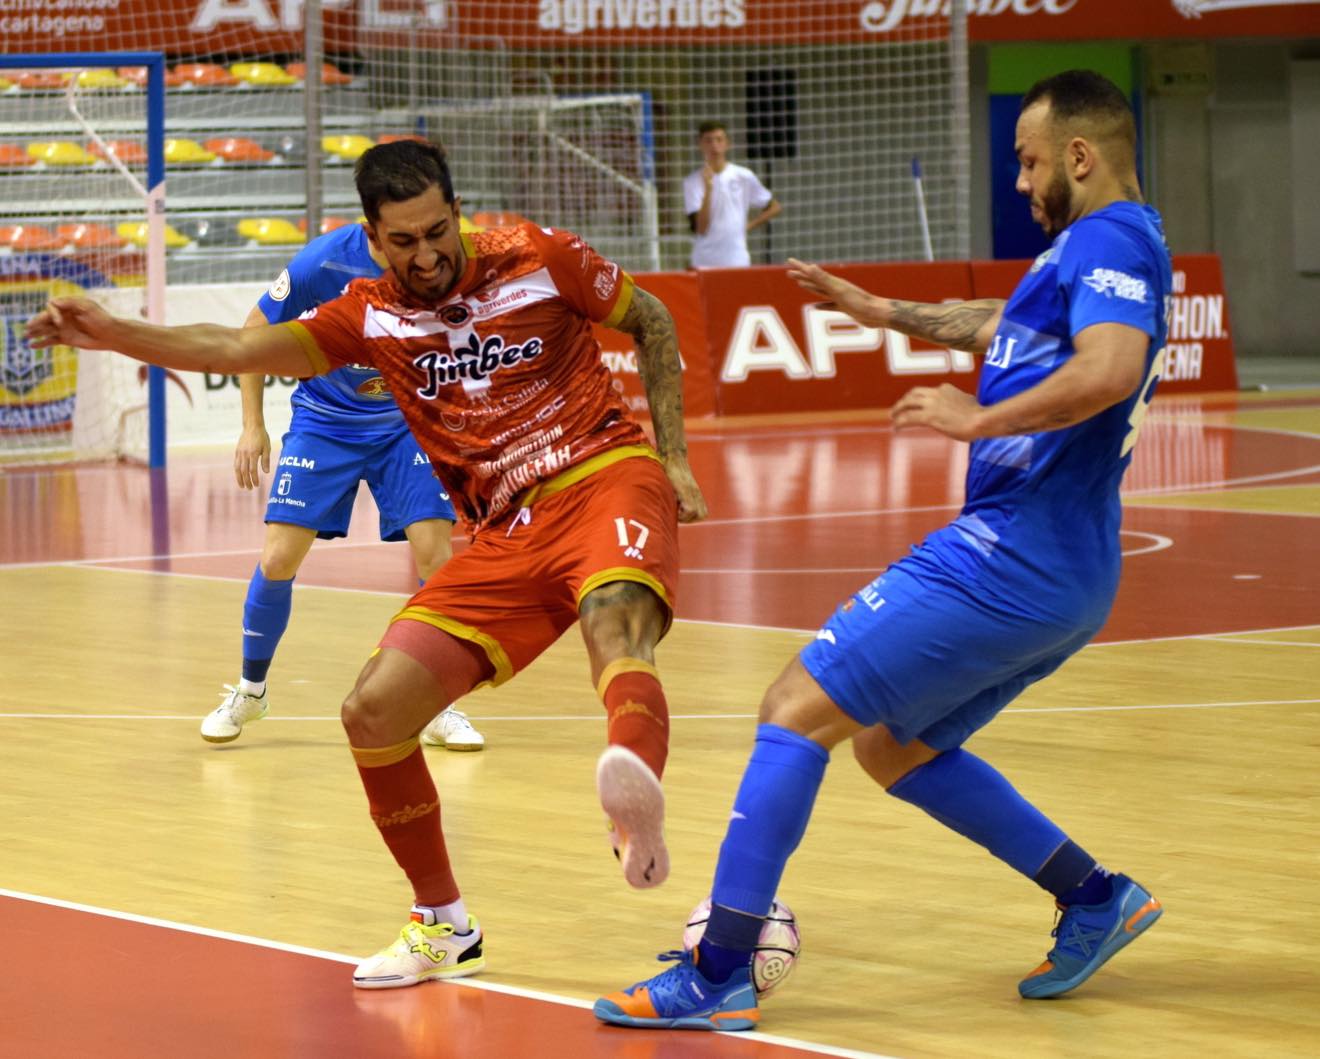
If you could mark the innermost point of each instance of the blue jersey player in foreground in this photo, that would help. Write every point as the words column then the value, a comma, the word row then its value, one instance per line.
column 346, row 428
column 933, row 648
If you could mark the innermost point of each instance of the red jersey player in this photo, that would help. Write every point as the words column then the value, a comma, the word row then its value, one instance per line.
column 485, row 341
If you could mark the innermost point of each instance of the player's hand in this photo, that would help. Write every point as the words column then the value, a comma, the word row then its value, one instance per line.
column 707, row 176
column 837, row 293
column 251, row 457
column 691, row 504
column 944, row 408
column 76, row 322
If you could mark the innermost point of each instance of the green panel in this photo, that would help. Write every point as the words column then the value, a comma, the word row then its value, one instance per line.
column 1014, row 68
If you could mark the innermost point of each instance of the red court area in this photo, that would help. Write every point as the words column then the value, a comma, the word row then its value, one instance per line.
column 801, row 516
column 137, row 990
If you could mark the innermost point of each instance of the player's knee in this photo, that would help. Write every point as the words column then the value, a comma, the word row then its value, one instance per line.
column 366, row 716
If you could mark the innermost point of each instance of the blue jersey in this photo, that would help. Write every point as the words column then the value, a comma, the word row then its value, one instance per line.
column 1039, row 531
column 351, row 402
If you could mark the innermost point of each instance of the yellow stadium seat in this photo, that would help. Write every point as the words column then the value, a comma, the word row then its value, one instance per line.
column 59, row 152
column 262, row 74
column 135, row 232
column 187, row 152
column 5, row 84
column 350, row 147
column 270, row 231
column 100, row 78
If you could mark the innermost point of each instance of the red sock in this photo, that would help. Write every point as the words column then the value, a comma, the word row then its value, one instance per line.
column 406, row 809
column 638, row 713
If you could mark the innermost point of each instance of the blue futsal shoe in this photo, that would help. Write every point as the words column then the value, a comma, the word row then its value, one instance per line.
column 680, row 998
column 1088, row 935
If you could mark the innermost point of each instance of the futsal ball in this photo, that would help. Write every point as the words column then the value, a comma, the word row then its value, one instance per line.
column 776, row 951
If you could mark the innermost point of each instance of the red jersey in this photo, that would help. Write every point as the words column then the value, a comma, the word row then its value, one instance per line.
column 502, row 382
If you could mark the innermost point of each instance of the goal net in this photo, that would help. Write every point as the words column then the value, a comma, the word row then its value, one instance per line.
column 580, row 114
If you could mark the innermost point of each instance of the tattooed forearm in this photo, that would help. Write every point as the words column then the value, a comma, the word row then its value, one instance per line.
column 652, row 330
column 958, row 325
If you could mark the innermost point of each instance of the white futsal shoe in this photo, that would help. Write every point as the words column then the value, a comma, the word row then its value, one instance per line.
column 453, row 731
column 223, row 724
column 421, row 952
column 631, row 796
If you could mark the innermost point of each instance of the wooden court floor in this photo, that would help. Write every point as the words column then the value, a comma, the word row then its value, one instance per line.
column 163, row 897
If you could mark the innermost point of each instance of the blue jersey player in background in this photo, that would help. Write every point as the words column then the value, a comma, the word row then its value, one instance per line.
column 345, row 429
column 934, row 647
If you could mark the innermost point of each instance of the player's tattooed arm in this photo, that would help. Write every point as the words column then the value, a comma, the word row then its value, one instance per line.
column 969, row 325
column 651, row 327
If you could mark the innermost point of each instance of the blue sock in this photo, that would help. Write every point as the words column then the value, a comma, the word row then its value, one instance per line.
column 966, row 794
column 769, row 817
column 265, row 617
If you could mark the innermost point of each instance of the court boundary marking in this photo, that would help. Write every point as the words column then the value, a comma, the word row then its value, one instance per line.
column 467, row 983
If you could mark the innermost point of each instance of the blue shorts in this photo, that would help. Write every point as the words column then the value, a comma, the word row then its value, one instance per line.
column 316, row 482
column 930, row 662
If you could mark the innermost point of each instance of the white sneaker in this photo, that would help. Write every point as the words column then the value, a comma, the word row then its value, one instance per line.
column 453, row 731
column 421, row 953
column 223, row 724
column 631, row 796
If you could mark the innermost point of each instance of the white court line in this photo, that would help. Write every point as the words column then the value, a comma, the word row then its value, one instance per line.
column 595, row 717
column 466, row 983
column 1226, row 510
column 1271, row 643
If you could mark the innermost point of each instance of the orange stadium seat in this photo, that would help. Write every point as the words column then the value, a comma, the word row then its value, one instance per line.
column 238, row 149
column 328, row 224
column 42, row 79
column 130, row 152
column 204, row 75
column 262, row 75
column 13, row 156
column 89, row 236
column 330, row 74
column 137, row 75
column 497, row 218
column 59, row 152
column 395, row 137
column 27, row 237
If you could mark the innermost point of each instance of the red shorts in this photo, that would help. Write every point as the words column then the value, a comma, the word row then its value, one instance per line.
column 516, row 589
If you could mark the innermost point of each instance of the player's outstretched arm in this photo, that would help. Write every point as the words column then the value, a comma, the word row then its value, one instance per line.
column 1107, row 367
column 651, row 327
column 968, row 325
column 252, row 452
column 82, row 323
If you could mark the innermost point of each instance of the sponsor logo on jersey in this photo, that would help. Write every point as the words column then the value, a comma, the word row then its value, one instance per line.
column 279, row 290
column 373, row 387
column 477, row 360
column 1112, row 283
column 297, row 461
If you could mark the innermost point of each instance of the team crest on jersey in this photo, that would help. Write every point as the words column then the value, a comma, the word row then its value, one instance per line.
column 455, row 315
column 279, row 290
column 606, row 280
column 373, row 387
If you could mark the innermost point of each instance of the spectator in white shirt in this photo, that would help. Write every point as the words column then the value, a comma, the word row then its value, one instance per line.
column 717, row 198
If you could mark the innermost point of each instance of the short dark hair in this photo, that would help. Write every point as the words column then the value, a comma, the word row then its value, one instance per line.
column 396, row 172
column 1088, row 96
column 711, row 126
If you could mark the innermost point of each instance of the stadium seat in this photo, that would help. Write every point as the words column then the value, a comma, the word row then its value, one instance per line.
column 135, row 232
column 59, row 152
column 137, row 75
column 238, row 149
column 270, row 231
column 130, row 152
column 465, row 225
column 186, row 152
column 5, row 84
column 497, row 218
column 40, row 80
column 350, row 147
column 330, row 75
column 328, row 224
column 395, row 137
column 89, row 236
column 29, row 237
column 100, row 77
column 204, row 75
column 13, row 156
column 263, row 75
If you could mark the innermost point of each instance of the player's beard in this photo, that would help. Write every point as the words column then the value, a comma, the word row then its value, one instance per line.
column 1056, row 205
